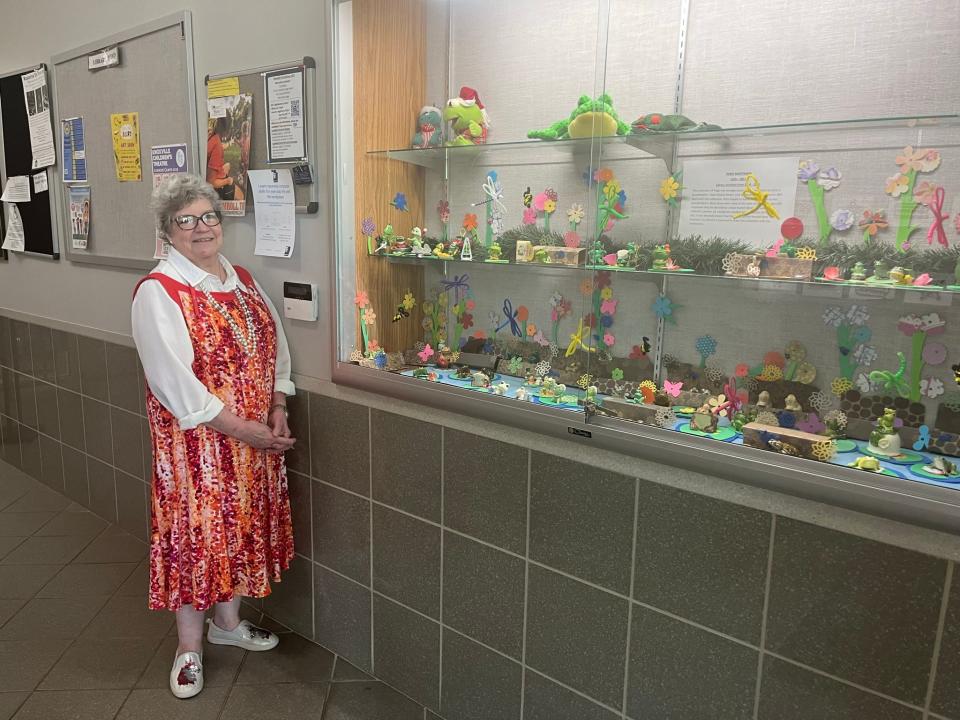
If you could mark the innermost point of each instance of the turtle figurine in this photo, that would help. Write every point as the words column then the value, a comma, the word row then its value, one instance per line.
column 658, row 122
column 590, row 118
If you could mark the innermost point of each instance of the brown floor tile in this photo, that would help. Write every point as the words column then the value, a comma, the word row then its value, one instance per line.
column 23, row 523
column 293, row 660
column 7, row 544
column 220, row 663
column 24, row 581
column 24, row 663
column 369, row 701
column 72, row 705
column 113, row 547
column 129, row 617
column 75, row 524
column 162, row 705
column 292, row 700
column 100, row 664
column 51, row 618
column 9, row 702
column 39, row 499
column 9, row 607
column 138, row 581
column 87, row 580
column 345, row 672
column 43, row 550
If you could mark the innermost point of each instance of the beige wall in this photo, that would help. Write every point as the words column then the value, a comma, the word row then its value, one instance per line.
column 233, row 36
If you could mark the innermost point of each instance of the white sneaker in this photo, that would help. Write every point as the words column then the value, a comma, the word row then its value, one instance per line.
column 186, row 677
column 245, row 635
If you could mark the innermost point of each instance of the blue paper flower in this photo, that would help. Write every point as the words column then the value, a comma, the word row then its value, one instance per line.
column 606, row 320
column 787, row 420
column 400, row 202
column 706, row 345
column 380, row 360
column 622, row 197
column 663, row 307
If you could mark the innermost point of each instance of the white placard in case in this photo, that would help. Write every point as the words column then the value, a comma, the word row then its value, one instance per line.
column 286, row 134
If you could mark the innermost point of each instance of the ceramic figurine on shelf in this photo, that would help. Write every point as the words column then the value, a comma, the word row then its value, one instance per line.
column 790, row 403
column 942, row 467
column 865, row 462
column 901, row 276
column 590, row 394
column 429, row 128
column 494, row 252
column 532, row 379
column 704, row 421
column 884, row 440
column 590, row 118
column 881, row 271
column 552, row 389
column 441, row 252
column 469, row 120
column 463, row 372
column 858, row 273
column 419, row 246
column 501, row 388
column 541, row 256
column 763, row 400
column 661, row 253
column 480, row 379
column 522, row 393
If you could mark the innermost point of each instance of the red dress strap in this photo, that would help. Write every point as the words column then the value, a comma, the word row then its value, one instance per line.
column 173, row 287
column 245, row 277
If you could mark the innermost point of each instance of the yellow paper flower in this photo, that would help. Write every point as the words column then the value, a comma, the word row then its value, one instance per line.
column 584, row 381
column 427, row 308
column 771, row 373
column 649, row 384
column 408, row 302
column 606, row 293
column 669, row 187
column 840, row 385
column 806, row 253
column 549, row 206
column 824, row 450
column 442, row 299
column 611, row 189
column 896, row 185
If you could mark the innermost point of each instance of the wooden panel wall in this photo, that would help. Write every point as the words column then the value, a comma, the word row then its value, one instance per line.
column 389, row 79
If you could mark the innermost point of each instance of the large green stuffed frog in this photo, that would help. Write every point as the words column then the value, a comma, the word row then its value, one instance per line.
column 590, row 118
column 468, row 118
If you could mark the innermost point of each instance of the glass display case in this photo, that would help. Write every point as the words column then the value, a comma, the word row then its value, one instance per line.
column 540, row 222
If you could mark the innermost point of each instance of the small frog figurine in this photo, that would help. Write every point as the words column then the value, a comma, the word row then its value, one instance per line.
column 881, row 270
column 858, row 272
column 884, row 440
column 661, row 254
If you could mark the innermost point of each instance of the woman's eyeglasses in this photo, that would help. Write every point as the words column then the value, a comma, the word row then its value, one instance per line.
column 189, row 222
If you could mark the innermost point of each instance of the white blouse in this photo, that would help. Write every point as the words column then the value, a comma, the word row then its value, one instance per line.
column 163, row 341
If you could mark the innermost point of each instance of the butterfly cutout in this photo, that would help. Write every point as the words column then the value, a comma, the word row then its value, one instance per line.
column 672, row 388
column 426, row 353
column 923, row 439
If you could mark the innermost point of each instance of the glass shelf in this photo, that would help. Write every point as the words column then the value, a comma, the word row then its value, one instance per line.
column 936, row 294
column 817, row 136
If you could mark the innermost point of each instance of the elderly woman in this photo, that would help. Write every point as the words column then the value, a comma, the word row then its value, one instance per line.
column 218, row 373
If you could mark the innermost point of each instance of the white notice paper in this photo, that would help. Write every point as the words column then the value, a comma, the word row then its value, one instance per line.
column 14, row 238
column 286, row 140
column 40, row 181
column 713, row 192
column 275, row 211
column 17, row 189
column 37, row 99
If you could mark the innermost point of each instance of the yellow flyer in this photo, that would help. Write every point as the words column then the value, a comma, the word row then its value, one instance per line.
column 126, row 145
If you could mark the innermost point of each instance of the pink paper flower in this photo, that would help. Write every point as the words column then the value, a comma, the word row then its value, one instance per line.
column 471, row 305
column 571, row 239
column 609, row 339
column 741, row 370
column 361, row 299
column 538, row 200
column 529, row 216
column 924, row 192
column 609, row 307
column 907, row 160
column 929, row 159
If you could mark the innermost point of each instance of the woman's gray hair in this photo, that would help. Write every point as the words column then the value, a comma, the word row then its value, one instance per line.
column 175, row 193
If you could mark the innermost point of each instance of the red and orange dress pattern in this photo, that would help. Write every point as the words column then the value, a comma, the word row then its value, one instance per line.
column 220, row 510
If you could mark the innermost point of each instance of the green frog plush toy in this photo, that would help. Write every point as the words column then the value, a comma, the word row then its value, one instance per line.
column 590, row 118
column 468, row 118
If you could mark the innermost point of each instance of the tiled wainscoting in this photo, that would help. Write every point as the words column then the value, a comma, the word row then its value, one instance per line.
column 489, row 581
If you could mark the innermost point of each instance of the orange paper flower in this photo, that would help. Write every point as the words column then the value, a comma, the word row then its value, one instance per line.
column 469, row 221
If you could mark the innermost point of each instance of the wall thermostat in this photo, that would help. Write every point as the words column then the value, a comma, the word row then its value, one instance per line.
column 300, row 300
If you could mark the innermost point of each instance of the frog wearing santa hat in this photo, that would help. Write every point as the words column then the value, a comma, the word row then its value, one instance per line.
column 468, row 118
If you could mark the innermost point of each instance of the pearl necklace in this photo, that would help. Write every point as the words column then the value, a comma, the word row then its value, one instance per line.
column 247, row 340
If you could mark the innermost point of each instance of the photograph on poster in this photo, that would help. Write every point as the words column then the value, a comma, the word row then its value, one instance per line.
column 79, row 216
column 229, row 123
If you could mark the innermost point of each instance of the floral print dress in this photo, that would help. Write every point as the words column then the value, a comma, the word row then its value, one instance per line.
column 220, row 511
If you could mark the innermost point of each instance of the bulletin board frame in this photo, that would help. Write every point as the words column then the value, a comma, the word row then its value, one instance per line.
column 52, row 172
column 307, row 197
column 122, row 197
